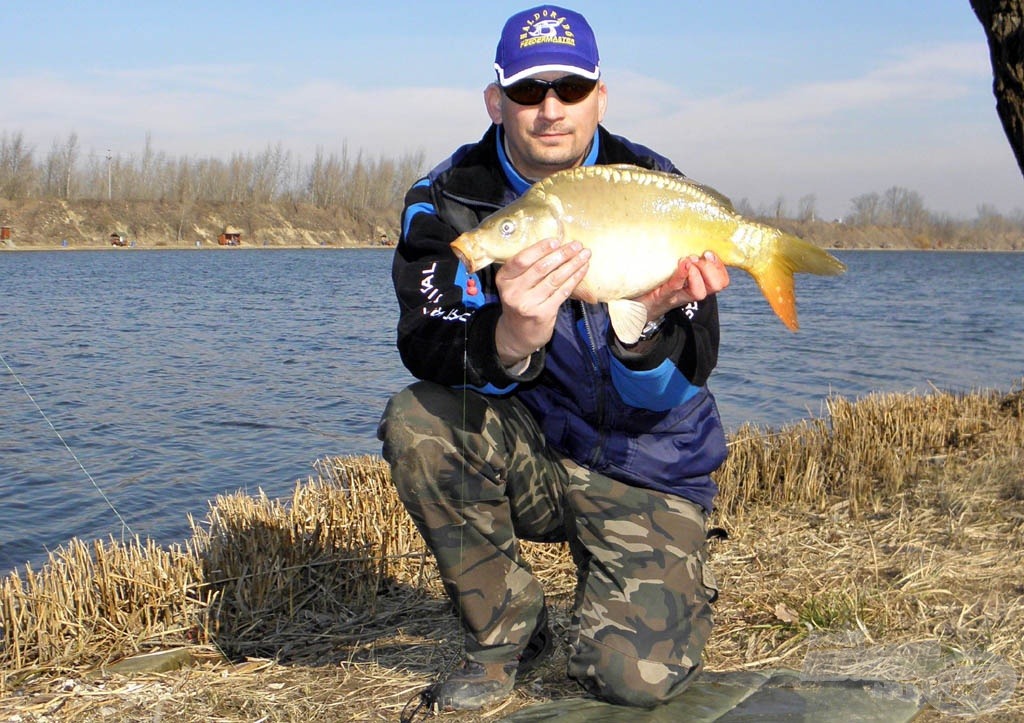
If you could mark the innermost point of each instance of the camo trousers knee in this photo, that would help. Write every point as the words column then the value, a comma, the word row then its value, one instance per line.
column 476, row 476
column 642, row 614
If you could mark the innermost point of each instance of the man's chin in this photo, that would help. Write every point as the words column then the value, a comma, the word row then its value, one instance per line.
column 555, row 158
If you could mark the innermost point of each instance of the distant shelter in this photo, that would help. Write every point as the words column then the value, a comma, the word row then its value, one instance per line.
column 231, row 237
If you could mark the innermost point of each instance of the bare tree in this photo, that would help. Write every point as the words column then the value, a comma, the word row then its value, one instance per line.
column 745, row 208
column 69, row 157
column 865, row 209
column 17, row 172
column 267, row 173
column 185, row 192
column 326, row 180
column 52, row 171
column 805, row 207
column 904, row 208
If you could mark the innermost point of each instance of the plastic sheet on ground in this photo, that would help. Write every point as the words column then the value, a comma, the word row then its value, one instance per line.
column 738, row 697
column 953, row 681
column 844, row 677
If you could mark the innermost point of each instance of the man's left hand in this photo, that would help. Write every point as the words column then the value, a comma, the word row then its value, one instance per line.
column 695, row 279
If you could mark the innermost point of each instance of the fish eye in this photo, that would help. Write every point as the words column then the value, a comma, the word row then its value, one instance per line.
column 507, row 227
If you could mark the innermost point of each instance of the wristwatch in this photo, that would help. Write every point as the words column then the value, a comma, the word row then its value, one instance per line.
column 651, row 328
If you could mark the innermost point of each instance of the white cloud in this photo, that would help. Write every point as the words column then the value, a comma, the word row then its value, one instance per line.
column 923, row 119
column 189, row 114
column 918, row 120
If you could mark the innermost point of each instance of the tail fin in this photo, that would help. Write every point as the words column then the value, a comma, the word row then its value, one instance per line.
column 792, row 255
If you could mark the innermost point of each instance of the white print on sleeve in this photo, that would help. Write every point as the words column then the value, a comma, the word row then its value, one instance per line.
column 432, row 294
column 427, row 287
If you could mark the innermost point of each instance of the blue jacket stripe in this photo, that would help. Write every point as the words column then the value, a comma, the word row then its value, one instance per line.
column 658, row 389
column 489, row 389
column 413, row 211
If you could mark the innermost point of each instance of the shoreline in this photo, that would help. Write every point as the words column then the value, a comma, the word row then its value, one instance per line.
column 339, row 247
column 47, row 225
column 186, row 247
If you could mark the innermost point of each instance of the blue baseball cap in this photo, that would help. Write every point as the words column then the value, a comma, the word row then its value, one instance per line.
column 546, row 38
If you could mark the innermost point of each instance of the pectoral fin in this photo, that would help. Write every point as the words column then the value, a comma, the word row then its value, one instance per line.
column 628, row 319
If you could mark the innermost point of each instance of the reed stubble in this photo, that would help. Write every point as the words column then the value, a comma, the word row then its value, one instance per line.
column 899, row 517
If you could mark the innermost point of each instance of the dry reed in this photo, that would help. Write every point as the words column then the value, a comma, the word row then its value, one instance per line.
column 898, row 516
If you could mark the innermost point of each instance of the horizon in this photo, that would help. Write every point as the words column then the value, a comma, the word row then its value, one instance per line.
column 775, row 102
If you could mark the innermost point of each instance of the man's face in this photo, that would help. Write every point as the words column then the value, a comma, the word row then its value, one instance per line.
column 548, row 137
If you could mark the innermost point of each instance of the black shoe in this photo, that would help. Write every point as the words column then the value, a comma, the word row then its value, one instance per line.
column 476, row 685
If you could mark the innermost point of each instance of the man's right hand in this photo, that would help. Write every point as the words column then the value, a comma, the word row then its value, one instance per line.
column 532, row 286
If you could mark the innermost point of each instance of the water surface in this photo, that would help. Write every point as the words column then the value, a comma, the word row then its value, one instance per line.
column 175, row 376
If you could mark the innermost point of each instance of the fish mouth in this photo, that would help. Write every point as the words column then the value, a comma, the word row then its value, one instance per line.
column 461, row 248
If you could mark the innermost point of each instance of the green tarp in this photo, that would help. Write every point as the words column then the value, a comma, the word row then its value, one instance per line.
column 737, row 697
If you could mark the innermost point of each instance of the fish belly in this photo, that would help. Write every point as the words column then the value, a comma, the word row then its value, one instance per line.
column 626, row 266
column 638, row 253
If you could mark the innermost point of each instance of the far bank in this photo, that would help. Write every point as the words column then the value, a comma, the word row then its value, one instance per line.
column 98, row 224
column 92, row 224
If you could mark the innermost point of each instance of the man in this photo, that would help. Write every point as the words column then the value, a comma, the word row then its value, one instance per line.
column 519, row 429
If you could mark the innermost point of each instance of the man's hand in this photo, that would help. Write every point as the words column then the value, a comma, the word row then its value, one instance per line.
column 695, row 279
column 532, row 286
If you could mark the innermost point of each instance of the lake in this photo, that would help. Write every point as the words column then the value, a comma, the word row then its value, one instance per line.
column 135, row 386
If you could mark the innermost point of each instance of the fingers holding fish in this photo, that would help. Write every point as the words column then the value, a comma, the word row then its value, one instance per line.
column 561, row 263
column 543, row 270
column 532, row 286
column 694, row 279
column 705, row 275
column 713, row 273
column 528, row 258
column 568, row 271
column 692, row 288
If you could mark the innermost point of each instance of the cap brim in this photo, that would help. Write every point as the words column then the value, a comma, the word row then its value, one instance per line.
column 540, row 64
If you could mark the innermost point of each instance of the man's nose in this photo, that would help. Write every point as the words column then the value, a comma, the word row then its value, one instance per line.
column 552, row 106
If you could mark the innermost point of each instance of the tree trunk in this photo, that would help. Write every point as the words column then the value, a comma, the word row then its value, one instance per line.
column 1003, row 21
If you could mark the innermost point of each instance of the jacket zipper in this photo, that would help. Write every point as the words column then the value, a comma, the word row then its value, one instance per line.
column 596, row 454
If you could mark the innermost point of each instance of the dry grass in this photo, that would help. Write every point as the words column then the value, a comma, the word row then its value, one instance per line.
column 897, row 517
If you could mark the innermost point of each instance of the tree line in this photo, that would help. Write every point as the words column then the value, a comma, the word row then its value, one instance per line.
column 330, row 180
column 354, row 182
column 896, row 207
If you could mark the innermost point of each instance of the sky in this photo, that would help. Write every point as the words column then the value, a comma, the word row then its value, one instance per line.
column 761, row 100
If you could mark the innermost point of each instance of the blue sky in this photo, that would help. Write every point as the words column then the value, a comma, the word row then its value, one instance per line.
column 760, row 100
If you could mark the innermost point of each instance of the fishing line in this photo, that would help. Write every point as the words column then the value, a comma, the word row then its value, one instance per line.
column 124, row 522
column 425, row 702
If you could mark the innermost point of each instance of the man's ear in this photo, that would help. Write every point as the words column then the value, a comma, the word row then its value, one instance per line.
column 492, row 99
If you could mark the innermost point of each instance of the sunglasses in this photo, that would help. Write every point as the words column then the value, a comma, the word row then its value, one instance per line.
column 531, row 91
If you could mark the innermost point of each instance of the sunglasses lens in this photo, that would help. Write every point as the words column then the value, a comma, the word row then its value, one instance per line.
column 530, row 91
column 573, row 88
column 527, row 92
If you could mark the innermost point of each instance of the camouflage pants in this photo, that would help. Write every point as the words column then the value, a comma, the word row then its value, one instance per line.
column 476, row 476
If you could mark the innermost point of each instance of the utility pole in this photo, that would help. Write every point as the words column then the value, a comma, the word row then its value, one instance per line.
column 110, row 193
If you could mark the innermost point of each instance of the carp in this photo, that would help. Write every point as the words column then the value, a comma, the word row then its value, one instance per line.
column 637, row 224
